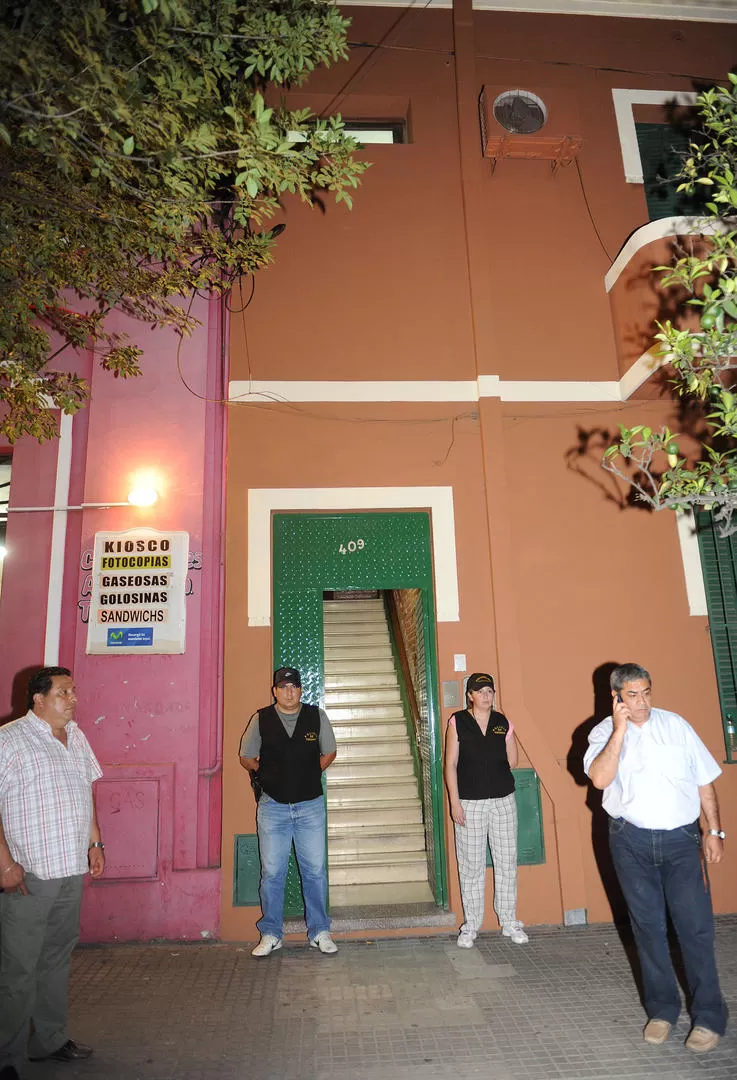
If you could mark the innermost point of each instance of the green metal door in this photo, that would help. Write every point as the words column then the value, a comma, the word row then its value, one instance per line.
column 317, row 553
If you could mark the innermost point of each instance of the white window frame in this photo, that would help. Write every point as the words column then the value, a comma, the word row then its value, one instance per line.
column 624, row 100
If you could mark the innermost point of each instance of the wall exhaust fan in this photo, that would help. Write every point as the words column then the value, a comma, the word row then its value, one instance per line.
column 511, row 126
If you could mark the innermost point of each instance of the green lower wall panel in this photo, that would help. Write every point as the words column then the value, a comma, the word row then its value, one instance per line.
column 248, row 874
column 530, row 838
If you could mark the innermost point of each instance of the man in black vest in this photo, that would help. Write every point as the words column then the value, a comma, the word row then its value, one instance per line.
column 286, row 748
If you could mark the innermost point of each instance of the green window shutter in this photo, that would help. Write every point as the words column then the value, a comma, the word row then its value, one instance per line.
column 248, row 875
column 530, row 838
column 719, row 564
column 661, row 152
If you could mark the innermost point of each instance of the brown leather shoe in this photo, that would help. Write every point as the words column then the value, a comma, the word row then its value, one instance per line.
column 656, row 1032
column 701, row 1040
column 70, row 1051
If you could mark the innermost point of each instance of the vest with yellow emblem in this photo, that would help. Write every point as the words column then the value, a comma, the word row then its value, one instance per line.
column 289, row 768
column 483, row 766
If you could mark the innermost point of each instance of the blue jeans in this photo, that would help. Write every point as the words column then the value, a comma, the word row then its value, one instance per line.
column 665, row 867
column 278, row 825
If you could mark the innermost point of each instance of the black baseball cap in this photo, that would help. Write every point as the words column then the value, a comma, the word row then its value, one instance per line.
column 479, row 680
column 284, row 675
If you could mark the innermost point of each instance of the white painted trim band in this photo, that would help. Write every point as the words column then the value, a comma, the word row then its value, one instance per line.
column 693, row 571
column 659, row 230
column 487, row 386
column 690, row 10
column 263, row 501
column 386, row 390
column 58, row 543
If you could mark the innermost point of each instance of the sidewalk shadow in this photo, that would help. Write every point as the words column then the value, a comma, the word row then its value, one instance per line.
column 599, row 816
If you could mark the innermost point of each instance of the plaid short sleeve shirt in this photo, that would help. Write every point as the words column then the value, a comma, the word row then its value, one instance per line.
column 46, row 796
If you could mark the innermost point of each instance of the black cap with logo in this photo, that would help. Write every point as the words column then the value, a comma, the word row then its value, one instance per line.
column 479, row 680
column 284, row 675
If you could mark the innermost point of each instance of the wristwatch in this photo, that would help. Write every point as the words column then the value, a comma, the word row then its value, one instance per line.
column 717, row 832
column 98, row 843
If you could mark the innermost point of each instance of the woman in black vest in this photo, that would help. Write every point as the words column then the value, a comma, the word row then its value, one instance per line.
column 480, row 753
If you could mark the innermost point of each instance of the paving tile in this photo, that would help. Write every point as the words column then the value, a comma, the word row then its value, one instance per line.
column 564, row 1007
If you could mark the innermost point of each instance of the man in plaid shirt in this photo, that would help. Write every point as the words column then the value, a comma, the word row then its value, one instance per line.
column 49, row 839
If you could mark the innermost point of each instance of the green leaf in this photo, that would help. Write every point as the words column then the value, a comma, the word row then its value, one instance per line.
column 129, row 145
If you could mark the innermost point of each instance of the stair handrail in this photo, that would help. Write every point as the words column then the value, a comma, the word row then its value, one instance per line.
column 398, row 636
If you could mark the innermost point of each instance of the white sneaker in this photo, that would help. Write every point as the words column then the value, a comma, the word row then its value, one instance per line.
column 268, row 944
column 324, row 942
column 516, row 933
column 465, row 940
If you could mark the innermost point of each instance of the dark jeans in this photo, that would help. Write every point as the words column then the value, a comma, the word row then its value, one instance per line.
column 665, row 867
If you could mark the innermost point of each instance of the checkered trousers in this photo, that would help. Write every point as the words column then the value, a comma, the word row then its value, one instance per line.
column 497, row 820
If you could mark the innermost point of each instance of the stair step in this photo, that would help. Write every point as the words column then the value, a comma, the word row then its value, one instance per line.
column 366, row 679
column 382, row 838
column 354, row 628
column 414, row 892
column 356, row 816
column 378, row 651
column 372, row 603
column 343, row 697
column 374, row 665
column 354, row 617
column 387, row 788
column 387, row 729
column 369, row 714
column 380, row 869
column 368, row 771
column 361, row 749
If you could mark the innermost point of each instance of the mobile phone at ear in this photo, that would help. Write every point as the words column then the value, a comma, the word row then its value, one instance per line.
column 619, row 698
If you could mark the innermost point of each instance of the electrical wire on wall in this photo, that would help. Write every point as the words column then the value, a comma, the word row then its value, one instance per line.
column 269, row 401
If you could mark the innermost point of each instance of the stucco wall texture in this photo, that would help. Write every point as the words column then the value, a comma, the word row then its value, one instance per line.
column 447, row 270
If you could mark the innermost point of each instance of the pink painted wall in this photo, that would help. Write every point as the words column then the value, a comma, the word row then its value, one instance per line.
column 153, row 721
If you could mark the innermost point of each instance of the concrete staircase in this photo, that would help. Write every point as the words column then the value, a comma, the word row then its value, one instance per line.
column 376, row 838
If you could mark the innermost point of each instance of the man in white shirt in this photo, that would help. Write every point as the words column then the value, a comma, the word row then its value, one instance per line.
column 657, row 777
column 49, row 839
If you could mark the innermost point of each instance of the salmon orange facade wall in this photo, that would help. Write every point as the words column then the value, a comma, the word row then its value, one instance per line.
column 455, row 330
column 460, row 332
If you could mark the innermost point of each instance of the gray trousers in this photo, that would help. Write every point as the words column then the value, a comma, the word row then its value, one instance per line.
column 38, row 933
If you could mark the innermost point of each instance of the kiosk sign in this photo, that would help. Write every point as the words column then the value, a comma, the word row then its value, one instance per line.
column 137, row 602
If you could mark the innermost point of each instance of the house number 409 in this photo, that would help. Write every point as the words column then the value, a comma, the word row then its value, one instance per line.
column 351, row 546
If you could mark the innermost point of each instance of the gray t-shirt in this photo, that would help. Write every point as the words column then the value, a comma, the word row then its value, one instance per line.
column 251, row 741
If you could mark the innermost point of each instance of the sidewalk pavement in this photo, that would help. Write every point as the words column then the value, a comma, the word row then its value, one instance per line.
column 563, row 1007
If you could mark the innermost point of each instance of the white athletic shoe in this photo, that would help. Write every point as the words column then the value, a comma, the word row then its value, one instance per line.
column 516, row 933
column 465, row 940
column 324, row 942
column 268, row 944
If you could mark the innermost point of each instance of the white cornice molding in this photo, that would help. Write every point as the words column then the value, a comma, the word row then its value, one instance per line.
column 659, row 230
column 689, row 10
column 262, row 391
column 277, row 390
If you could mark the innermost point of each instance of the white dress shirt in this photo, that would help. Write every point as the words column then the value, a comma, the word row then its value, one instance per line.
column 662, row 765
column 46, row 797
